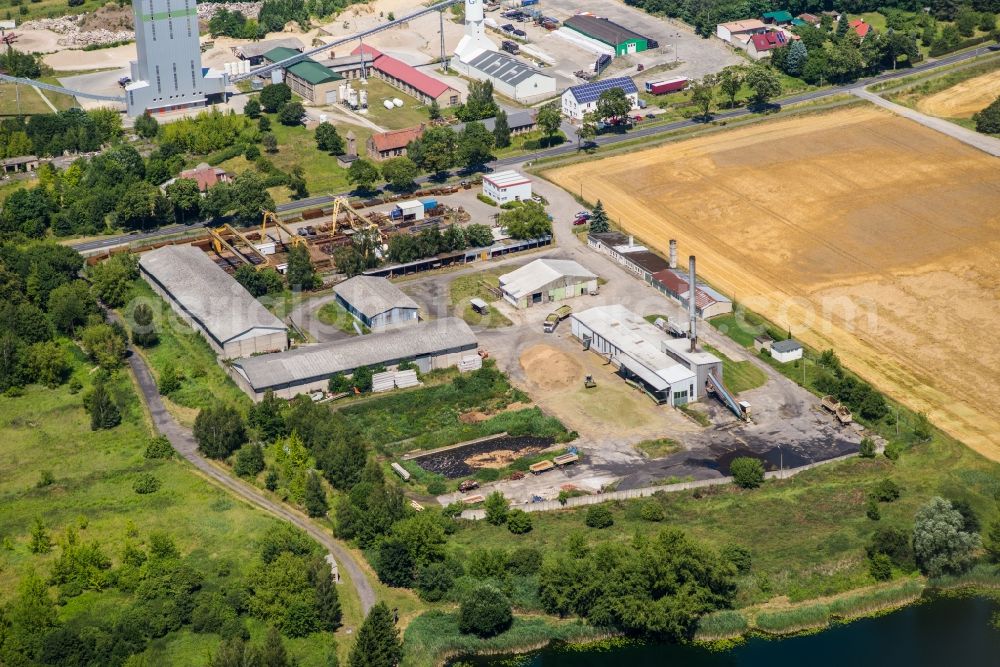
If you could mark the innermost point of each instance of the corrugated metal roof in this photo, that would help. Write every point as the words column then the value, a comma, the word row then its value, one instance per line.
column 505, row 68
column 541, row 273
column 503, row 179
column 590, row 92
column 786, row 345
column 308, row 70
column 601, row 29
column 639, row 341
column 371, row 296
column 313, row 362
column 210, row 295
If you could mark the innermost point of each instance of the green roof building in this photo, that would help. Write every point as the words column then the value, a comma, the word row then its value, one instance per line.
column 621, row 39
column 779, row 18
column 307, row 78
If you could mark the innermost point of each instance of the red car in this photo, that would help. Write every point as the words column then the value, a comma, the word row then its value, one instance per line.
column 579, row 221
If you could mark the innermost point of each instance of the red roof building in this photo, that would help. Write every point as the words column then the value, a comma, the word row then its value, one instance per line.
column 861, row 27
column 761, row 45
column 385, row 145
column 206, row 176
column 409, row 79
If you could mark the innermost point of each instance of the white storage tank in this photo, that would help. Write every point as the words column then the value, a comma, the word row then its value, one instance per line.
column 388, row 104
column 398, row 102
column 364, row 98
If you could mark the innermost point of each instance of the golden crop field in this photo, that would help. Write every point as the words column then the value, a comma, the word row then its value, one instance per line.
column 858, row 230
column 963, row 99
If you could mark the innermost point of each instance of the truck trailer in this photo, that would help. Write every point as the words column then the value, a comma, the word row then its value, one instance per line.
column 665, row 86
column 555, row 317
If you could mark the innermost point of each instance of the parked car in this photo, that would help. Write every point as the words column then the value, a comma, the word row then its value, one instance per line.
column 579, row 221
column 520, row 33
column 650, row 116
column 583, row 214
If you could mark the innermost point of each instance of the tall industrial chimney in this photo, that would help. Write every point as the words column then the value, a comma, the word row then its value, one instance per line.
column 693, row 333
column 673, row 253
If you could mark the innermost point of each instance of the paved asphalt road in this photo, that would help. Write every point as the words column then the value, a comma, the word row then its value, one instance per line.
column 184, row 443
column 570, row 147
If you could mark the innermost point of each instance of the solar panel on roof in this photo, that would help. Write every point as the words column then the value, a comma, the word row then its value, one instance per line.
column 589, row 92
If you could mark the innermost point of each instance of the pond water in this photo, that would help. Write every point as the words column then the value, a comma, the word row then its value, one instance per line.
column 941, row 631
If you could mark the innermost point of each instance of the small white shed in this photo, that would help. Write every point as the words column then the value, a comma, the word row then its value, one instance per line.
column 412, row 209
column 786, row 350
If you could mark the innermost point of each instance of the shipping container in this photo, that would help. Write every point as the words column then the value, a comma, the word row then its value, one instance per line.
column 429, row 204
column 667, row 85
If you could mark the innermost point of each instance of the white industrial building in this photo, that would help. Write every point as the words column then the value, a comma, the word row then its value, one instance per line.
column 507, row 186
column 636, row 348
column 582, row 99
column 702, row 364
column 376, row 302
column 477, row 57
column 233, row 322
column 545, row 281
column 786, row 350
column 430, row 345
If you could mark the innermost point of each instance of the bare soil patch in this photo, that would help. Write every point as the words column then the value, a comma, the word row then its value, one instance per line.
column 856, row 229
column 550, row 368
column 963, row 99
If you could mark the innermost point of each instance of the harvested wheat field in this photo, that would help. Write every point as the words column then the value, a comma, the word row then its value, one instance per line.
column 859, row 230
column 963, row 99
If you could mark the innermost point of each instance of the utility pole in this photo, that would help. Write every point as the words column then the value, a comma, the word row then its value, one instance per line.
column 444, row 57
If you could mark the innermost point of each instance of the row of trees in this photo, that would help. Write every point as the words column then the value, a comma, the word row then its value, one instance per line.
column 72, row 130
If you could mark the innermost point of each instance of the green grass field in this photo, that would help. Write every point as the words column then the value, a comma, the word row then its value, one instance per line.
column 297, row 146
column 30, row 101
column 476, row 285
column 739, row 375
column 334, row 314
column 411, row 114
column 44, row 9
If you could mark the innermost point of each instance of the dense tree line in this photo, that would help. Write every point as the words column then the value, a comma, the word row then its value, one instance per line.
column 51, row 134
column 289, row 588
column 705, row 16
column 860, row 396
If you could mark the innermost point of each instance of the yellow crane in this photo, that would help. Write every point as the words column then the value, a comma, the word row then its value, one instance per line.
column 355, row 220
column 218, row 241
column 293, row 238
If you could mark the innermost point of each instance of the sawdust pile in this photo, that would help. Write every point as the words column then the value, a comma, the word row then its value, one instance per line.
column 550, row 368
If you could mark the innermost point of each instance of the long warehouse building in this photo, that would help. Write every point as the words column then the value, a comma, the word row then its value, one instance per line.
column 234, row 323
column 620, row 39
column 430, row 345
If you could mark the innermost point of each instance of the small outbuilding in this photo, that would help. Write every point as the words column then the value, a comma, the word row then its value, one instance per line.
column 412, row 209
column 545, row 281
column 376, row 302
column 507, row 186
column 786, row 350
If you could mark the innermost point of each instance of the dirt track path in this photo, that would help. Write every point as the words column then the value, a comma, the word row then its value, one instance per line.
column 184, row 443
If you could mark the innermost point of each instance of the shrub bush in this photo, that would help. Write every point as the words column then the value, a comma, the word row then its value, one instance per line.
column 866, row 449
column 599, row 516
column 652, row 511
column 158, row 448
column 436, row 487
column 524, row 561
column 146, row 483
column 886, row 491
column 485, row 612
column 518, row 522
column 739, row 556
column 880, row 567
column 747, row 472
